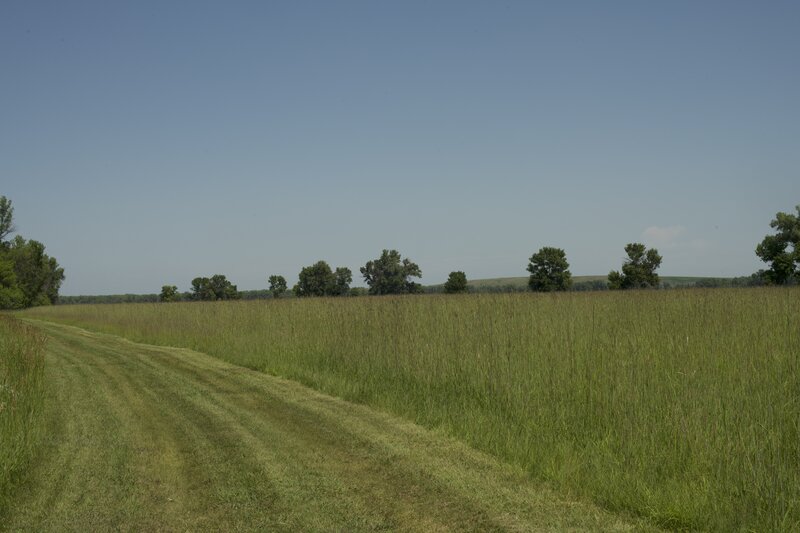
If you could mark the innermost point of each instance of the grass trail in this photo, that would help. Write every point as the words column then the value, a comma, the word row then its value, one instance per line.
column 151, row 438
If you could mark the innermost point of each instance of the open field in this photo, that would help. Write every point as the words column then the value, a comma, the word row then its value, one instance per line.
column 680, row 406
column 145, row 438
column 21, row 402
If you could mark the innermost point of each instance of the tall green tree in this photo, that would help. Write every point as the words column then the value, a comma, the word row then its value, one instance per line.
column 342, row 277
column 782, row 250
column 6, row 219
column 28, row 276
column 314, row 280
column 638, row 270
column 38, row 275
column 456, row 283
column 549, row 270
column 11, row 295
column 277, row 286
column 319, row 280
column 390, row 274
column 217, row 287
column 224, row 289
column 201, row 289
column 169, row 293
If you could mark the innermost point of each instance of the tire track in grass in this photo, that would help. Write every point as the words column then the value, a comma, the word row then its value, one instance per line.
column 83, row 450
column 204, row 400
column 308, row 464
column 154, row 438
column 210, row 459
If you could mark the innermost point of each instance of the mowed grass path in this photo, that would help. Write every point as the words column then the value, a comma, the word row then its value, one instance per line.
column 151, row 438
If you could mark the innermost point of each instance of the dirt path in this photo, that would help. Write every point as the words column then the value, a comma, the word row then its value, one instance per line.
column 151, row 438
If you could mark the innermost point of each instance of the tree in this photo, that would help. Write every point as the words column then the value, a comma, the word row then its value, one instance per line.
column 6, row 219
column 28, row 276
column 456, row 282
column 277, row 286
column 389, row 274
column 782, row 250
column 319, row 280
column 11, row 296
column 201, row 289
column 638, row 271
column 342, row 278
column 549, row 270
column 217, row 287
column 314, row 280
column 169, row 293
column 223, row 289
column 38, row 275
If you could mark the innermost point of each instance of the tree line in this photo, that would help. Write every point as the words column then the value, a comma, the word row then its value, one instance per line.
column 28, row 276
column 548, row 269
column 388, row 274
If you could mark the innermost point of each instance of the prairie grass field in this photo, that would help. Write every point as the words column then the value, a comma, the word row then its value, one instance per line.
column 681, row 406
column 21, row 398
column 151, row 438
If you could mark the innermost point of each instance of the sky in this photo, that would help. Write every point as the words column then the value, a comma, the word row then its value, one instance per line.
column 147, row 143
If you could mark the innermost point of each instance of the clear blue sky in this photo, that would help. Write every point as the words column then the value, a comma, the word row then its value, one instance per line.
column 146, row 143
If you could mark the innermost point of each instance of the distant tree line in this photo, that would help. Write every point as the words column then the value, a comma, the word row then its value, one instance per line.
column 108, row 299
column 753, row 280
column 390, row 273
column 216, row 287
column 150, row 298
column 28, row 276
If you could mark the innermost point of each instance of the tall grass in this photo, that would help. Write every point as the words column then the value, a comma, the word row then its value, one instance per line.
column 682, row 406
column 21, row 399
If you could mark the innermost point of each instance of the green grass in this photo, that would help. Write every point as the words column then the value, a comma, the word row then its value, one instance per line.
column 21, row 398
column 146, row 438
column 680, row 406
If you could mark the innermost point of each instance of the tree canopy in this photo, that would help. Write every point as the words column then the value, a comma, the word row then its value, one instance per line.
column 782, row 250
column 456, row 283
column 217, row 287
column 28, row 276
column 638, row 270
column 6, row 219
column 277, row 286
column 549, row 270
column 390, row 274
column 319, row 280
column 342, row 277
column 11, row 295
column 169, row 293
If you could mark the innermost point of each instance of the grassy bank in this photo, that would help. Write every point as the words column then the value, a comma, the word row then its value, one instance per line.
column 21, row 399
column 682, row 406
